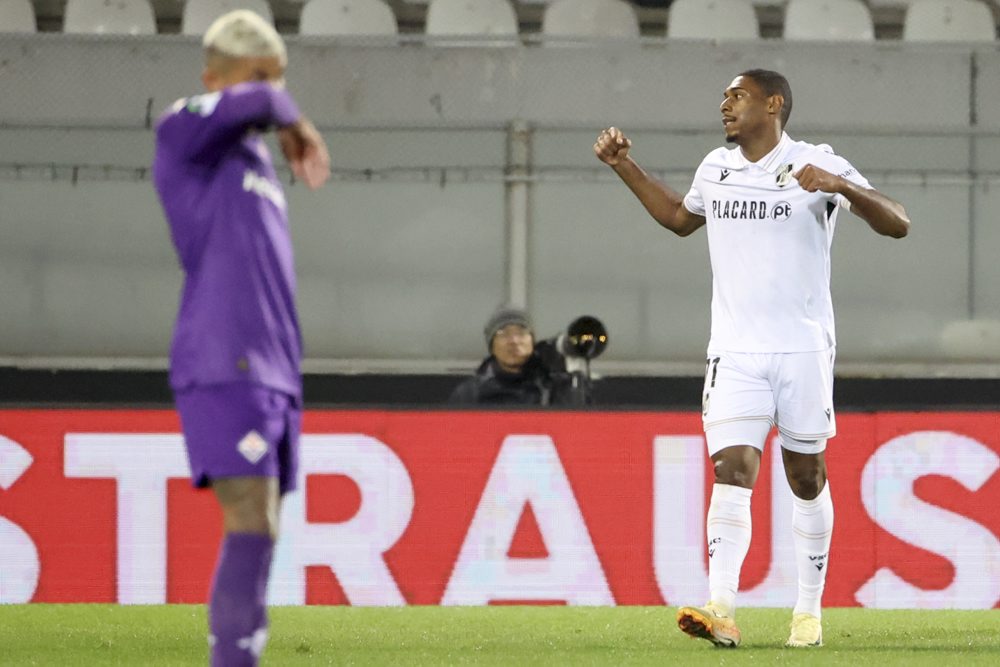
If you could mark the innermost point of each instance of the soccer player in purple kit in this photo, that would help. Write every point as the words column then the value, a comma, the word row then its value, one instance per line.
column 234, row 361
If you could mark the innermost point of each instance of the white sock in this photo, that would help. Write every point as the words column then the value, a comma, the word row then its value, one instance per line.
column 812, row 527
column 728, row 530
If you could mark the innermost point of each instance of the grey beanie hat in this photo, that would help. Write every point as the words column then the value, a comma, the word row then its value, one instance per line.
column 501, row 318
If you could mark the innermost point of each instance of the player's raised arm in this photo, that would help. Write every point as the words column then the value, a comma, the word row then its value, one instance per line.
column 883, row 214
column 198, row 128
column 244, row 79
column 664, row 204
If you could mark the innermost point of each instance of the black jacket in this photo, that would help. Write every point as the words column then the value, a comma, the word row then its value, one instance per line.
column 535, row 385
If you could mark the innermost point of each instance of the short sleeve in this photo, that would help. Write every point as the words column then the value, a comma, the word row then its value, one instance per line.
column 854, row 176
column 693, row 201
column 835, row 164
column 200, row 128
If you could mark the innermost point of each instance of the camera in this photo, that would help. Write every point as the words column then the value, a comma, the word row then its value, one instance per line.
column 567, row 355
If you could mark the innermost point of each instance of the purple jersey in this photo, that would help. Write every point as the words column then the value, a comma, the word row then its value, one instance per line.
column 229, row 224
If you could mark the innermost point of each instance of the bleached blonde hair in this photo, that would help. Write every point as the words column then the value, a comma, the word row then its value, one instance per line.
column 244, row 34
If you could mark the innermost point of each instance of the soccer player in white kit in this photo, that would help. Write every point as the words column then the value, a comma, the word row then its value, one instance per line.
column 770, row 206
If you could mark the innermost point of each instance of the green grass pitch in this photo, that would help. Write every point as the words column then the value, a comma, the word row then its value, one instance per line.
column 91, row 634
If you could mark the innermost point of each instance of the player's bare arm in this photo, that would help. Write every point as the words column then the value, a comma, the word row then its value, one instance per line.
column 883, row 214
column 306, row 152
column 664, row 204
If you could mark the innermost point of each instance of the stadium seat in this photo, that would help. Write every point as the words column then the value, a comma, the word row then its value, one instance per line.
column 948, row 21
column 712, row 19
column 880, row 4
column 17, row 16
column 347, row 17
column 116, row 17
column 472, row 18
column 831, row 20
column 590, row 18
column 199, row 14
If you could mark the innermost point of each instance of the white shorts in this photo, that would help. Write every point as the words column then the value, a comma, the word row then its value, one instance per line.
column 746, row 393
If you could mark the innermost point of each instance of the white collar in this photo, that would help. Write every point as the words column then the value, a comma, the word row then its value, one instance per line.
column 770, row 162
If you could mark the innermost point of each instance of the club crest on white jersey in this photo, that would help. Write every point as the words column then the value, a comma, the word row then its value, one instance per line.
column 784, row 176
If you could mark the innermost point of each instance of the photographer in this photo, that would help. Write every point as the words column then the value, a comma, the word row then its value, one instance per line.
column 519, row 371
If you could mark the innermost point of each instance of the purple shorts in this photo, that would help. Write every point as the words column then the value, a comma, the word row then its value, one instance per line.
column 240, row 430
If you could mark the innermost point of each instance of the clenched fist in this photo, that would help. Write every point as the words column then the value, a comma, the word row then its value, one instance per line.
column 811, row 178
column 612, row 146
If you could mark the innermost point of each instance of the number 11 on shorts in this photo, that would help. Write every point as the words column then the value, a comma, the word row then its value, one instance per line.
column 711, row 370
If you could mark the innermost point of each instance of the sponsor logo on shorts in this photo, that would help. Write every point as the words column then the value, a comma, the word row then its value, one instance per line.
column 252, row 447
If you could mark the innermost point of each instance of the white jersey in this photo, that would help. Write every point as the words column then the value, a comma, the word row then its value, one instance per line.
column 769, row 241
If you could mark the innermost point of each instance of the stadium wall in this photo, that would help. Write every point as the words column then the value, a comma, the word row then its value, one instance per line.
column 48, row 388
column 403, row 507
column 404, row 255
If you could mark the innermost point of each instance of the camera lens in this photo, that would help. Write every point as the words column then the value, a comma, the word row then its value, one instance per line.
column 586, row 337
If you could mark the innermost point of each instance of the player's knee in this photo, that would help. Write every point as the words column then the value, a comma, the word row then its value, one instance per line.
column 736, row 466
column 807, row 482
column 807, row 488
column 734, row 477
column 805, row 465
column 250, row 518
column 249, row 505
